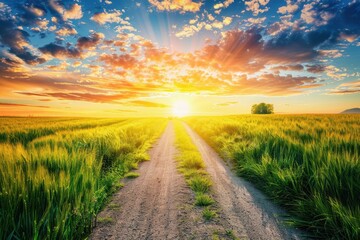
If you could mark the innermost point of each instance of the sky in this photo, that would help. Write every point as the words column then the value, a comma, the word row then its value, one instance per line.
column 115, row 58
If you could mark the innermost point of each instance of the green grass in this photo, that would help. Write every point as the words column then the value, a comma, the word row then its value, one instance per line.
column 231, row 235
column 132, row 175
column 114, row 206
column 200, row 183
column 105, row 220
column 209, row 214
column 310, row 164
column 192, row 166
column 203, row 200
column 53, row 183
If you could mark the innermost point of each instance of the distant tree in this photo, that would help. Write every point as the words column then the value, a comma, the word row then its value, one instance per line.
column 262, row 108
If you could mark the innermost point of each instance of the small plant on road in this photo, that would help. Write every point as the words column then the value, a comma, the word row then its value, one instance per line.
column 203, row 200
column 209, row 214
column 200, row 184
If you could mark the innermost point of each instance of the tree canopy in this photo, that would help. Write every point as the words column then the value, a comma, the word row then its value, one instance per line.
column 262, row 108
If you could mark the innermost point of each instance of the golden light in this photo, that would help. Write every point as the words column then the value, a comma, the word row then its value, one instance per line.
column 180, row 108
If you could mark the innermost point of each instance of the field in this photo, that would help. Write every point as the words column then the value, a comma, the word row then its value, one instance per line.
column 307, row 163
column 57, row 173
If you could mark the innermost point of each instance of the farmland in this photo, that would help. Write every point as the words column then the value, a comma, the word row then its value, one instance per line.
column 307, row 163
column 57, row 173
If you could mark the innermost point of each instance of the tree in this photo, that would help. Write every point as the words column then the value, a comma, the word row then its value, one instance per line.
column 262, row 108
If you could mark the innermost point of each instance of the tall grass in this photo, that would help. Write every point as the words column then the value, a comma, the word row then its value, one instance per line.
column 307, row 163
column 53, row 186
column 24, row 130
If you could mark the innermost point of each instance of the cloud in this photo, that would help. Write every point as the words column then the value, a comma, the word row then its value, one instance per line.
column 276, row 85
column 347, row 88
column 227, row 21
column 20, row 105
column 60, row 51
column 297, row 67
column 83, row 96
column 74, row 12
column 17, row 42
column 315, row 68
column 176, row 5
column 141, row 103
column 225, row 4
column 308, row 14
column 190, row 30
column 122, row 110
column 225, row 104
column 90, row 42
column 125, row 61
column 289, row 8
column 256, row 21
column 257, row 6
column 105, row 17
column 61, row 67
column 332, row 53
column 335, row 72
column 66, row 30
column 29, row 15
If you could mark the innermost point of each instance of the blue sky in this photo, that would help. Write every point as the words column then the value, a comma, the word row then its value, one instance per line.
column 134, row 58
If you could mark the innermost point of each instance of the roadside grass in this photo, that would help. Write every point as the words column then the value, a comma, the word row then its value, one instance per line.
column 53, row 185
column 114, row 206
column 105, row 220
column 310, row 164
column 192, row 166
column 132, row 175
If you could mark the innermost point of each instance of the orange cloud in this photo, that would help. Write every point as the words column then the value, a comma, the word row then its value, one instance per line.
column 176, row 5
column 105, row 17
column 20, row 105
column 125, row 61
column 140, row 103
column 347, row 88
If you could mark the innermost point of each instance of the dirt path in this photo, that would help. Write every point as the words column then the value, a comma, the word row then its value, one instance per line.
column 149, row 206
column 159, row 205
column 156, row 205
column 245, row 208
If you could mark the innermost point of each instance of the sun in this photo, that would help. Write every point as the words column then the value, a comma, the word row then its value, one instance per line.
column 180, row 108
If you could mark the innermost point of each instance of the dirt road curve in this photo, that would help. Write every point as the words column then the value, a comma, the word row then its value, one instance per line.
column 150, row 205
column 245, row 208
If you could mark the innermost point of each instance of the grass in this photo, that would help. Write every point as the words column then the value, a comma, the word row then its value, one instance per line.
column 105, row 220
column 200, row 183
column 57, row 173
column 114, row 206
column 209, row 214
column 231, row 235
column 307, row 163
column 192, row 166
column 132, row 175
column 203, row 200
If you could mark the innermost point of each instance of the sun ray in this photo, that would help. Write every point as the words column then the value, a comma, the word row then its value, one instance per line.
column 180, row 108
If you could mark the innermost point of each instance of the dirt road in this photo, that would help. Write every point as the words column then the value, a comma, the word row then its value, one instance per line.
column 245, row 208
column 150, row 205
column 156, row 205
column 159, row 205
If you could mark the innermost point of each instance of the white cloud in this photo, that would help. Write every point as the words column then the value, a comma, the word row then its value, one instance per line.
column 257, row 6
